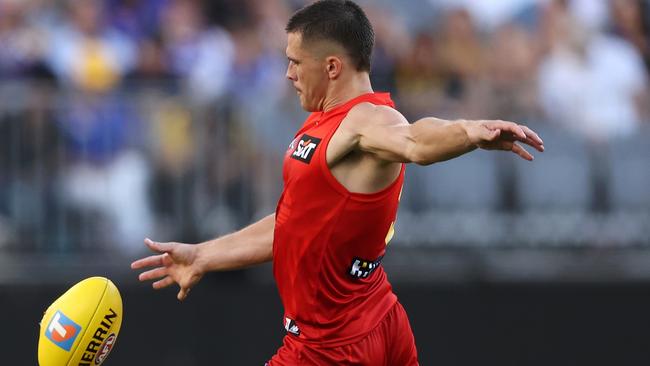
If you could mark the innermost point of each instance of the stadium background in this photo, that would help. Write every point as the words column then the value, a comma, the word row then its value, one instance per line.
column 121, row 119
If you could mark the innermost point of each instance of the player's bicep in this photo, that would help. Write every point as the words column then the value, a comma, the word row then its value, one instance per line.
column 385, row 133
column 388, row 142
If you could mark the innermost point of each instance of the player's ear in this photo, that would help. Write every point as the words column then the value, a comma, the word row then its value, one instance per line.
column 334, row 66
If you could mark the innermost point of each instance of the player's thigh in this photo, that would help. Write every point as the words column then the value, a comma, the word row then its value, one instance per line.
column 288, row 354
column 293, row 353
column 391, row 343
column 400, row 343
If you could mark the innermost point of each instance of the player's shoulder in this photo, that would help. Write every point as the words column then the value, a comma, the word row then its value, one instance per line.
column 367, row 114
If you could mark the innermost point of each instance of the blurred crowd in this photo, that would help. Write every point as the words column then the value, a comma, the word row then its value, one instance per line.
column 169, row 117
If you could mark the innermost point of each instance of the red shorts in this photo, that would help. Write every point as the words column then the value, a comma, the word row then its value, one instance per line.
column 390, row 343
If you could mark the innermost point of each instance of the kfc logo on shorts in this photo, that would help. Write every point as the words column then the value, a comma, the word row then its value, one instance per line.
column 305, row 148
column 62, row 331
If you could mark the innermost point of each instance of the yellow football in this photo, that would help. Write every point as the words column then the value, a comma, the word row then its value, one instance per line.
column 80, row 328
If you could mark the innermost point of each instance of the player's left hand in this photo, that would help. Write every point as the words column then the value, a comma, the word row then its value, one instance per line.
column 173, row 263
column 503, row 135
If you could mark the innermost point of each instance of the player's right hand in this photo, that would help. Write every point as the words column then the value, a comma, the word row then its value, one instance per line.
column 175, row 263
column 503, row 135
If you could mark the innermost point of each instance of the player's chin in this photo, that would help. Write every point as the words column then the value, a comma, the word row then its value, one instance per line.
column 309, row 107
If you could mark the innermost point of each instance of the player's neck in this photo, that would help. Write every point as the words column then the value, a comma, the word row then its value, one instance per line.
column 344, row 89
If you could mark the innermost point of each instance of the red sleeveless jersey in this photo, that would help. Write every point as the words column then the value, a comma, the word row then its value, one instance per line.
column 329, row 242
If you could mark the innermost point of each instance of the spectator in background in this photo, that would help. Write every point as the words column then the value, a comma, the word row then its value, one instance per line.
column 201, row 55
column 104, row 175
column 22, row 44
column 420, row 87
column 460, row 57
column 28, row 151
column 255, row 69
column 152, row 65
column 630, row 19
column 392, row 42
column 28, row 138
column 174, row 153
column 267, row 16
column 85, row 53
column 138, row 19
column 489, row 15
column 512, row 64
column 258, row 74
column 590, row 81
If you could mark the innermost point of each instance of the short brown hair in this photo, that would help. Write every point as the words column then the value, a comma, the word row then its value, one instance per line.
column 340, row 21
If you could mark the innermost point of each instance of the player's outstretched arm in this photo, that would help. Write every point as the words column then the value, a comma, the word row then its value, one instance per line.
column 185, row 264
column 385, row 132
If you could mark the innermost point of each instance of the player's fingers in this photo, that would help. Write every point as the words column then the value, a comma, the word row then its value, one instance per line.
column 532, row 143
column 517, row 149
column 167, row 260
column 532, row 135
column 182, row 294
column 535, row 145
column 151, row 261
column 515, row 129
column 153, row 274
column 167, row 281
column 158, row 247
column 506, row 126
column 531, row 139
